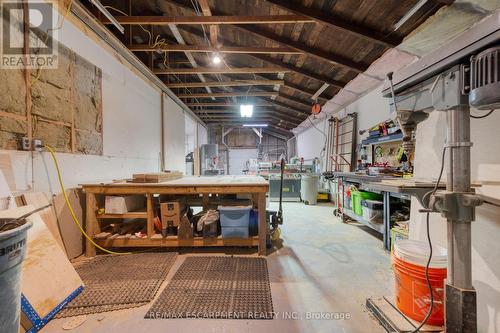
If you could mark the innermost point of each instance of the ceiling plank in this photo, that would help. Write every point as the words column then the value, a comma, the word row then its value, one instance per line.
column 213, row 70
column 315, row 52
column 337, row 23
column 223, row 104
column 257, row 111
column 213, row 20
column 229, row 94
column 318, row 53
column 235, row 83
column 214, row 29
column 211, row 49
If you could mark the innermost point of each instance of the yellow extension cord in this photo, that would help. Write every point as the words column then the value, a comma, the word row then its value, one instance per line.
column 73, row 215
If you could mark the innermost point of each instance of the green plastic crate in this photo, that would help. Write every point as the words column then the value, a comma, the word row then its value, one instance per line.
column 357, row 196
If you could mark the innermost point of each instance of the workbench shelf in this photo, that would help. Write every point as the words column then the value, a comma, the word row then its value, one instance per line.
column 158, row 240
column 206, row 187
column 379, row 227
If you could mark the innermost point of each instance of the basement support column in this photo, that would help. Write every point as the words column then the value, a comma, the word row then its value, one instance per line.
column 460, row 294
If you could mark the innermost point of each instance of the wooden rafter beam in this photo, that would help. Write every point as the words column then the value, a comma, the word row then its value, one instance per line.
column 229, row 94
column 210, row 70
column 256, row 112
column 235, row 83
column 281, row 64
column 285, row 106
column 213, row 20
column 211, row 49
column 223, row 104
column 308, row 50
column 337, row 23
column 214, row 29
column 261, row 117
column 312, row 51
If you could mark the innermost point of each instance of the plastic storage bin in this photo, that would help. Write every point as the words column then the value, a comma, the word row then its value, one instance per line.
column 373, row 210
column 357, row 196
column 234, row 221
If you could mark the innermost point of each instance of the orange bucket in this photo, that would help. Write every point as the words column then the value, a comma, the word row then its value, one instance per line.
column 411, row 292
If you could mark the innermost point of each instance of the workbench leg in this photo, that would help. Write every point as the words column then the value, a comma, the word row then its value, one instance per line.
column 205, row 202
column 151, row 215
column 387, row 220
column 91, row 223
column 261, row 205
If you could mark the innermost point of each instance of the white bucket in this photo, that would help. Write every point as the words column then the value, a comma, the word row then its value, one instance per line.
column 417, row 253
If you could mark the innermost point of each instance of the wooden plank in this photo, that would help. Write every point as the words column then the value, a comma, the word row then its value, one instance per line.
column 211, row 20
column 261, row 206
column 235, row 83
column 230, row 94
column 91, row 223
column 214, row 30
column 338, row 23
column 131, row 215
column 48, row 215
column 212, row 49
column 150, row 214
column 70, row 233
column 158, row 241
column 213, row 70
column 48, row 277
column 8, row 171
column 155, row 177
column 228, row 104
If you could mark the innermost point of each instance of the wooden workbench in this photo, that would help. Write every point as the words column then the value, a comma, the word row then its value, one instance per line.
column 254, row 185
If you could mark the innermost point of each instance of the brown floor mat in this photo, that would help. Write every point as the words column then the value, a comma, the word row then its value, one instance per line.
column 115, row 282
column 217, row 287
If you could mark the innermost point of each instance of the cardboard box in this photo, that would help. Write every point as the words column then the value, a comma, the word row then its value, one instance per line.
column 123, row 204
column 171, row 213
column 185, row 229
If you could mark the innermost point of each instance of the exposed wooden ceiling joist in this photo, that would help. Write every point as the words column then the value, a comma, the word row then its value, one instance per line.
column 257, row 113
column 229, row 94
column 235, row 83
column 312, row 51
column 337, row 23
column 211, row 49
column 213, row 20
column 214, row 70
column 224, row 104
column 214, row 29
column 262, row 117
column 279, row 63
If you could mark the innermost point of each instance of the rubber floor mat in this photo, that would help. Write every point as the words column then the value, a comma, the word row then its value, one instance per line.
column 217, row 287
column 115, row 282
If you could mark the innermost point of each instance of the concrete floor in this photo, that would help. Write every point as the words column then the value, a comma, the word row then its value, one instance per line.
column 323, row 267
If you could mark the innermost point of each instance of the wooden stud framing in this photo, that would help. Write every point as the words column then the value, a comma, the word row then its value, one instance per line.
column 211, row 20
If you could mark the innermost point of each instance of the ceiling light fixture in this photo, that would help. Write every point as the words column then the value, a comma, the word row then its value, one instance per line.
column 216, row 59
column 254, row 125
column 246, row 110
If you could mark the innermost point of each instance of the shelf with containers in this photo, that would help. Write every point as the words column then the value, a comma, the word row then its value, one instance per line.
column 207, row 191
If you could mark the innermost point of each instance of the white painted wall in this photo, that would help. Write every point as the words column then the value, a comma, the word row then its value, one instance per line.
column 238, row 159
column 131, row 127
column 310, row 143
column 174, row 124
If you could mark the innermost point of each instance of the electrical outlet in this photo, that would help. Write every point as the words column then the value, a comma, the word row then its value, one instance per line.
column 26, row 144
column 35, row 144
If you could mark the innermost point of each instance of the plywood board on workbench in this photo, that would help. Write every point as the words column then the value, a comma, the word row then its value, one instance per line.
column 48, row 277
column 197, row 181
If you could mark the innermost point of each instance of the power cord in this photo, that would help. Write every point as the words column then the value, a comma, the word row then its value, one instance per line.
column 483, row 116
column 72, row 212
column 429, row 286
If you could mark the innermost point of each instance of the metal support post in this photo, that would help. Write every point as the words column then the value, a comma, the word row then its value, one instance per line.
column 460, row 294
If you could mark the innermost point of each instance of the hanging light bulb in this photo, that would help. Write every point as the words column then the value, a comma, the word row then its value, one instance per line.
column 216, row 59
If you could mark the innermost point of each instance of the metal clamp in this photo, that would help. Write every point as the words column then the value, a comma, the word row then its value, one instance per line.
column 458, row 144
column 457, row 206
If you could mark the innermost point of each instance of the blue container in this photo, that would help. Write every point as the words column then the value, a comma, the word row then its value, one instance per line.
column 234, row 216
column 254, row 222
column 234, row 221
column 234, row 232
